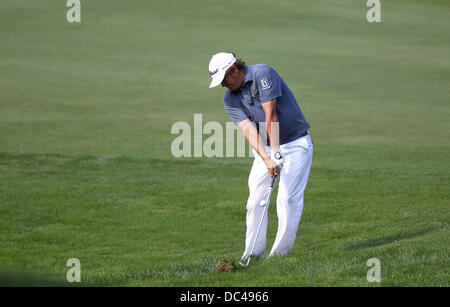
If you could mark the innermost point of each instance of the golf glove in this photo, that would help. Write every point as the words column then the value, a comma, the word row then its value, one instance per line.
column 277, row 157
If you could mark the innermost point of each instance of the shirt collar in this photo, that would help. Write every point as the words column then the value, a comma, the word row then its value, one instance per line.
column 248, row 74
column 247, row 77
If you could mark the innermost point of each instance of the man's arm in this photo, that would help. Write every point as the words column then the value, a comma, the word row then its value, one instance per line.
column 272, row 124
column 273, row 129
column 254, row 139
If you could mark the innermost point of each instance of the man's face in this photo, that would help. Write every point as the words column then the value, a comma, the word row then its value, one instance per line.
column 233, row 78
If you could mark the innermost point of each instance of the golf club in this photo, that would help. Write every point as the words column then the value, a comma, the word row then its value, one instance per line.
column 265, row 204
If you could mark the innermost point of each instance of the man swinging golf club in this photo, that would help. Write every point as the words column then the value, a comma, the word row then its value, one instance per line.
column 257, row 94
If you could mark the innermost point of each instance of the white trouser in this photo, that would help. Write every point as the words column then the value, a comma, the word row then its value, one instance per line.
column 292, row 182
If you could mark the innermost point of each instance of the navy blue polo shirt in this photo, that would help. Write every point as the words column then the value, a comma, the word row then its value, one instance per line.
column 261, row 84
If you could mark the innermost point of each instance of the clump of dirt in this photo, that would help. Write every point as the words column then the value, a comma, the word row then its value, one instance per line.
column 226, row 265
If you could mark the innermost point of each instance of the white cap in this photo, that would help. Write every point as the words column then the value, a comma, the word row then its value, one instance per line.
column 218, row 66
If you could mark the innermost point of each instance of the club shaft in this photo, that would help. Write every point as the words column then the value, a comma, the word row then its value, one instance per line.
column 266, row 208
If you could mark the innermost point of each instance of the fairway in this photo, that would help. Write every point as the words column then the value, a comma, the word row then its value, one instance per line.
column 87, row 172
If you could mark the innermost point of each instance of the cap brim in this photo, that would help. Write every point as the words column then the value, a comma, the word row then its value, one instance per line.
column 217, row 80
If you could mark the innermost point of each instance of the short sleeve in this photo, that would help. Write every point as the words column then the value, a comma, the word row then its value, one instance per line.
column 234, row 109
column 269, row 83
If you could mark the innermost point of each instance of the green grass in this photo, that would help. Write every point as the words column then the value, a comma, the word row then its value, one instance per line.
column 85, row 164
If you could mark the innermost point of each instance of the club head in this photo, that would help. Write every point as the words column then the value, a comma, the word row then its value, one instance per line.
column 243, row 265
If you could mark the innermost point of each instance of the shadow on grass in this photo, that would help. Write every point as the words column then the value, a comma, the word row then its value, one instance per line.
column 17, row 278
column 11, row 277
column 390, row 239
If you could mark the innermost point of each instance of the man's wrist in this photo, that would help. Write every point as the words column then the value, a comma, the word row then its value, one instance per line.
column 265, row 158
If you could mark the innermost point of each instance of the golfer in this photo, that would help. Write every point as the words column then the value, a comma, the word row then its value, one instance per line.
column 257, row 94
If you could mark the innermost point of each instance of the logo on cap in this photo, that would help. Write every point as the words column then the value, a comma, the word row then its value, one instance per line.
column 211, row 73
